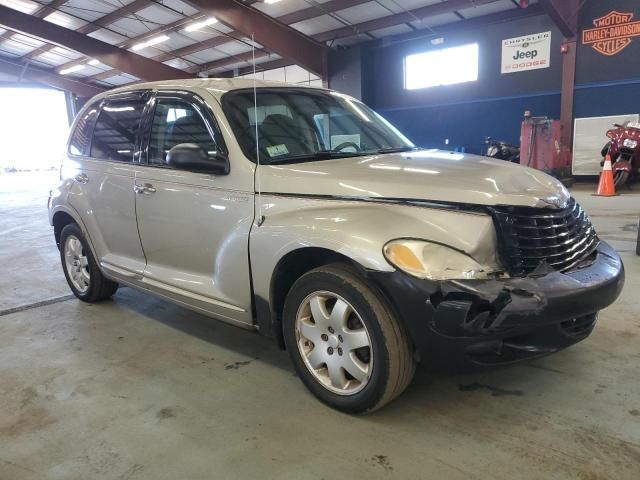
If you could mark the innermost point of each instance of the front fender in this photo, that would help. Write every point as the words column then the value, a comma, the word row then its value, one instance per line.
column 622, row 165
column 359, row 230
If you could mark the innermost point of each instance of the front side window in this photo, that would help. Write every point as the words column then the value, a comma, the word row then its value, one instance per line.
column 116, row 132
column 293, row 124
column 176, row 122
column 80, row 140
column 446, row 66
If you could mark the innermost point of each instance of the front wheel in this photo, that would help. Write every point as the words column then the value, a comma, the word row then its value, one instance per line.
column 80, row 268
column 620, row 178
column 345, row 342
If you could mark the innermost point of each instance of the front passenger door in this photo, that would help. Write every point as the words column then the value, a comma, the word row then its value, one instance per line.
column 194, row 227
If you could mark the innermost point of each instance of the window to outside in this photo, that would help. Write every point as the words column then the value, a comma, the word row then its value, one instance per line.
column 116, row 131
column 81, row 138
column 441, row 67
column 176, row 122
column 301, row 125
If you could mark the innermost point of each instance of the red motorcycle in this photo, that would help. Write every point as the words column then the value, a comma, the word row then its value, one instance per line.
column 624, row 149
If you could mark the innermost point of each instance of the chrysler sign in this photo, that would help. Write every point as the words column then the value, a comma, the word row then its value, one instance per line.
column 530, row 52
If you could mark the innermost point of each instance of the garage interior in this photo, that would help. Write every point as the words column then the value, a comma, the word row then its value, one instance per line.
column 139, row 388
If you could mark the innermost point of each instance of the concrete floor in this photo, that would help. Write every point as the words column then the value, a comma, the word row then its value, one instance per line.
column 137, row 388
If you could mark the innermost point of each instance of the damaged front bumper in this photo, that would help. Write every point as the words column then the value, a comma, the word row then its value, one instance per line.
column 489, row 322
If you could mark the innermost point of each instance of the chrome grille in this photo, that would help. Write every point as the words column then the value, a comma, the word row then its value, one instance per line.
column 560, row 238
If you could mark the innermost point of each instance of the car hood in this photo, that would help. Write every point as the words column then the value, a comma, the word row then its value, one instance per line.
column 427, row 175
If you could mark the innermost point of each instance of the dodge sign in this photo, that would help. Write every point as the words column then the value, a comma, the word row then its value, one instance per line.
column 530, row 52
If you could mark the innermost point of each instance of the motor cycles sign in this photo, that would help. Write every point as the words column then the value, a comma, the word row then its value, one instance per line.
column 612, row 33
column 530, row 52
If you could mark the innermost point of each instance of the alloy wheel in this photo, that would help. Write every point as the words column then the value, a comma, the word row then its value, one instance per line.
column 334, row 343
column 77, row 264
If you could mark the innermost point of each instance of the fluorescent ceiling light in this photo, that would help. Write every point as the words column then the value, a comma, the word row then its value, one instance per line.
column 150, row 42
column 93, row 62
column 20, row 5
column 75, row 68
column 198, row 25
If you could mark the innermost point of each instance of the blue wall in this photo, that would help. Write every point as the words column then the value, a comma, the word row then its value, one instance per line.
column 466, row 124
column 607, row 84
column 607, row 98
column 493, row 106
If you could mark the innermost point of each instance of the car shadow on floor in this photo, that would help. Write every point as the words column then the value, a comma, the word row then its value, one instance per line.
column 433, row 387
column 245, row 342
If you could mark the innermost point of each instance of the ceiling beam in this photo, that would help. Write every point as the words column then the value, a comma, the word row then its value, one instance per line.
column 289, row 18
column 363, row 27
column 260, row 67
column 390, row 20
column 97, row 24
column 269, row 32
column 421, row 13
column 106, row 53
column 564, row 14
column 45, row 77
column 40, row 12
column 170, row 27
column 465, row 25
column 318, row 10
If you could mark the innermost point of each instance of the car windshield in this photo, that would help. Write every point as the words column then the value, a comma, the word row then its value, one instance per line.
column 298, row 124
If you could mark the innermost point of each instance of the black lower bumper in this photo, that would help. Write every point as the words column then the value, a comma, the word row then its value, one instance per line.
column 461, row 323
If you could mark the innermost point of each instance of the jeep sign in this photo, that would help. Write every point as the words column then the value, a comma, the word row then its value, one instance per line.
column 530, row 52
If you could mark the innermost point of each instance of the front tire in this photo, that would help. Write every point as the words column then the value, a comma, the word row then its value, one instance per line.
column 620, row 178
column 80, row 268
column 346, row 344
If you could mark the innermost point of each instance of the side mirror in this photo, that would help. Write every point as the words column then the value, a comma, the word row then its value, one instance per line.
column 192, row 157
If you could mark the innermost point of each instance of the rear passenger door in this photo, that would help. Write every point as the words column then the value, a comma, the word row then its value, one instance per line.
column 103, row 193
column 194, row 227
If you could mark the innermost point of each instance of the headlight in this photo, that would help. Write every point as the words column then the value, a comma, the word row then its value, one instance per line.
column 492, row 151
column 630, row 143
column 433, row 261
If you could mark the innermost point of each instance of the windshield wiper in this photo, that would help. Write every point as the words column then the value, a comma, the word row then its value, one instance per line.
column 405, row 148
column 319, row 155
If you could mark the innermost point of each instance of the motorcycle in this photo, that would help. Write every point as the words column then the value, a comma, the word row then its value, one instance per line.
column 502, row 150
column 624, row 149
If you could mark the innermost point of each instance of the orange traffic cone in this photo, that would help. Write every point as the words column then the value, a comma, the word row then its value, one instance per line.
column 606, row 187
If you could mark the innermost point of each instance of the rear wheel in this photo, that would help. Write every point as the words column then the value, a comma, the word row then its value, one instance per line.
column 346, row 344
column 80, row 268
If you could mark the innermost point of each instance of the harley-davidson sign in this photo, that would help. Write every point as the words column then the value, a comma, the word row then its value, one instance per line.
column 612, row 33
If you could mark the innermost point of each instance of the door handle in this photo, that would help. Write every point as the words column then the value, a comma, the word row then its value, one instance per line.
column 81, row 178
column 146, row 189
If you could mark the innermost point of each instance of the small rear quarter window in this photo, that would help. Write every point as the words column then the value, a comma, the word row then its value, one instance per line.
column 80, row 141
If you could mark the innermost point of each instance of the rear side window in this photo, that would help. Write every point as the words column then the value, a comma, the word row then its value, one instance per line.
column 176, row 122
column 116, row 132
column 81, row 137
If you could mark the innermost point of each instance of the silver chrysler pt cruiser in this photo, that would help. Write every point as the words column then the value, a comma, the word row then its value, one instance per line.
column 302, row 214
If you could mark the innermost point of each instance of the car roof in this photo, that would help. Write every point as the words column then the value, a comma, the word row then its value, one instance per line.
column 217, row 86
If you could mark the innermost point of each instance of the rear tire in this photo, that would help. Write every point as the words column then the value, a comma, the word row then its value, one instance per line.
column 80, row 268
column 347, row 345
